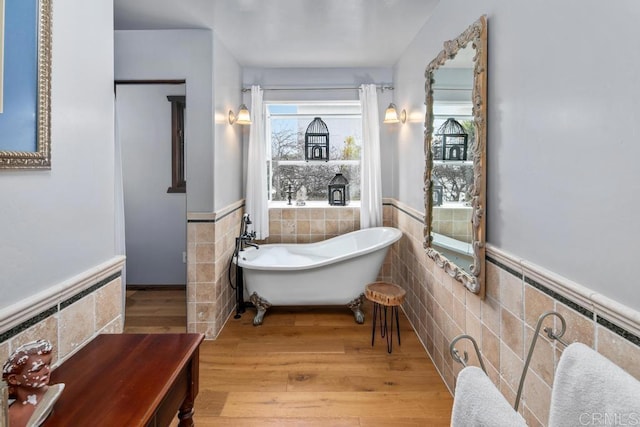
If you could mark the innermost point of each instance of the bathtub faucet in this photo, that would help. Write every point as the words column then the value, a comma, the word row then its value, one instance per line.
column 255, row 245
column 246, row 237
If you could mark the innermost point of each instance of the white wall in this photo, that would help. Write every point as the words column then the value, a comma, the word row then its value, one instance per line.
column 58, row 223
column 187, row 55
column 331, row 77
column 156, row 231
column 214, row 150
column 562, row 144
column 227, row 86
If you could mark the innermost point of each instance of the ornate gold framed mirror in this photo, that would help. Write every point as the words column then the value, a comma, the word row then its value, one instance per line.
column 455, row 152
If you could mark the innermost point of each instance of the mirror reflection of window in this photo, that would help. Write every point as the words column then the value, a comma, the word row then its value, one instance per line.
column 455, row 177
column 452, row 147
column 453, row 108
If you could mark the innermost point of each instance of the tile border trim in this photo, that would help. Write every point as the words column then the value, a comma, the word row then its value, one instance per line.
column 21, row 327
column 214, row 220
column 619, row 319
column 66, row 303
column 196, row 218
column 33, row 308
column 418, row 216
column 588, row 313
column 55, row 309
column 618, row 330
column 5, row 336
column 554, row 295
column 510, row 270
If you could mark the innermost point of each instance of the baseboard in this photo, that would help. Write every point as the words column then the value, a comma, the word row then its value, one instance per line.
column 156, row 287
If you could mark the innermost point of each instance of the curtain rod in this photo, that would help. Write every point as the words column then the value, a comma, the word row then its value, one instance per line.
column 382, row 87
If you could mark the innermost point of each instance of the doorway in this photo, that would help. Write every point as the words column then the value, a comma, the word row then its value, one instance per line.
column 155, row 214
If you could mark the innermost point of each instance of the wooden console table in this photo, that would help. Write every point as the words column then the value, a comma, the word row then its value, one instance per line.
column 129, row 380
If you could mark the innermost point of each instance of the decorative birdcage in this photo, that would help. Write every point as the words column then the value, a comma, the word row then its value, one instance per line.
column 338, row 191
column 316, row 141
column 454, row 141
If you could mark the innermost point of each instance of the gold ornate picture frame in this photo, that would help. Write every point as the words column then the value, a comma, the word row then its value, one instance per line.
column 22, row 119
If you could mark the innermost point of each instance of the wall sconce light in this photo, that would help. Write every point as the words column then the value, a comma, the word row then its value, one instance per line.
column 242, row 118
column 391, row 115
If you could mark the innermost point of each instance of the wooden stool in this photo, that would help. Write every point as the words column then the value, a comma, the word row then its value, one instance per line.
column 387, row 295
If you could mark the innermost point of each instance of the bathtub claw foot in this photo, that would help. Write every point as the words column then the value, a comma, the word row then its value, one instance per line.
column 356, row 307
column 261, row 305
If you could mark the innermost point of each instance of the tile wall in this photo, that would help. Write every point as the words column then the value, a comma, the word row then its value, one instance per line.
column 454, row 222
column 503, row 323
column 210, row 245
column 72, row 322
column 307, row 224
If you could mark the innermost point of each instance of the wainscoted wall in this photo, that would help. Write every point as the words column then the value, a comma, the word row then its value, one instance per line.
column 503, row 324
column 210, row 245
column 69, row 314
column 311, row 223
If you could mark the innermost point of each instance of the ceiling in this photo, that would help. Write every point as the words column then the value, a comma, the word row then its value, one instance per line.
column 290, row 33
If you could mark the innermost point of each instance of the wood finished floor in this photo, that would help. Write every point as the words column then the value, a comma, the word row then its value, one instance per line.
column 303, row 367
column 156, row 311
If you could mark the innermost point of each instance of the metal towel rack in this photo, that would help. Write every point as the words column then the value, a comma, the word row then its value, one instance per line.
column 465, row 358
column 551, row 334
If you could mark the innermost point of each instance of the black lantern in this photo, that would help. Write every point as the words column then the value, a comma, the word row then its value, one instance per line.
column 316, row 141
column 339, row 191
column 454, row 140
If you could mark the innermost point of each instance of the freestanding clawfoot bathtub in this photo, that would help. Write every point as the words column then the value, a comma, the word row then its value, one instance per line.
column 331, row 272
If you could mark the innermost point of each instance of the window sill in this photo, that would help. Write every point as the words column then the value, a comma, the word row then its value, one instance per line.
column 312, row 204
column 179, row 189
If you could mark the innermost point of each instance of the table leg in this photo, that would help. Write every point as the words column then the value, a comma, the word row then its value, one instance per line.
column 185, row 414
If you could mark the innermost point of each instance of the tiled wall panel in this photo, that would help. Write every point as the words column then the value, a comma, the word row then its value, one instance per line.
column 308, row 224
column 503, row 324
column 210, row 246
column 74, row 321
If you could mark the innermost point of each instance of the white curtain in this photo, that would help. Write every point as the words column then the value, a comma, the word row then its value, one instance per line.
column 120, row 245
column 256, row 191
column 371, row 181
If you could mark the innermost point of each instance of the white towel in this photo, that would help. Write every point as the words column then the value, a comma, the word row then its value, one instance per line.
column 477, row 402
column 589, row 389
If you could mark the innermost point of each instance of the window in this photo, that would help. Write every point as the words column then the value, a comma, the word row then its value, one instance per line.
column 289, row 172
column 178, row 182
